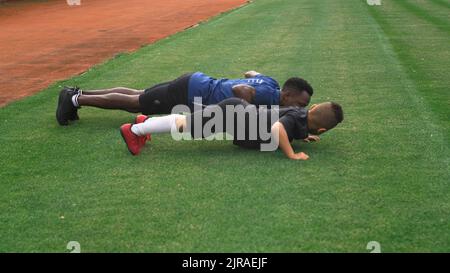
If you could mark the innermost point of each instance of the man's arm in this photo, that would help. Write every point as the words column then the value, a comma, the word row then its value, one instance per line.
column 279, row 133
column 245, row 92
column 251, row 74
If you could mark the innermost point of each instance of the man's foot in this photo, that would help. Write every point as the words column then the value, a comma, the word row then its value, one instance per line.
column 74, row 116
column 75, row 91
column 133, row 141
column 66, row 110
column 140, row 119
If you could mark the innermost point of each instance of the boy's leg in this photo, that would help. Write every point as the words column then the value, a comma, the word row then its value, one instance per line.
column 160, row 125
column 134, row 135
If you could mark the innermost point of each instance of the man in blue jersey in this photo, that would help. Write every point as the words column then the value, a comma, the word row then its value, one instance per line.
column 255, row 88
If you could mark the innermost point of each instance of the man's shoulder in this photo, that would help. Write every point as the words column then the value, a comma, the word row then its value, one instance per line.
column 268, row 79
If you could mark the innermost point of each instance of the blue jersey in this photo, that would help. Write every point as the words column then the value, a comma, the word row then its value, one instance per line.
column 213, row 91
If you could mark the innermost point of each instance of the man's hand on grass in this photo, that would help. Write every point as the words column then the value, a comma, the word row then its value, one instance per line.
column 312, row 138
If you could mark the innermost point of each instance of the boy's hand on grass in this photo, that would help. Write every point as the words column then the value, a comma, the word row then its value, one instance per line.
column 312, row 138
column 299, row 156
column 279, row 133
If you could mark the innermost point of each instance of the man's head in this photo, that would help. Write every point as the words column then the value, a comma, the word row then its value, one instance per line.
column 296, row 92
column 323, row 117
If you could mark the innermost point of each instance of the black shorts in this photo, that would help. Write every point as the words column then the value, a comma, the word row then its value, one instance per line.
column 161, row 98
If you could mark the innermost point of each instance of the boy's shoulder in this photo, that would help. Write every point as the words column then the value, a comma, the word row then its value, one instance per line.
column 299, row 112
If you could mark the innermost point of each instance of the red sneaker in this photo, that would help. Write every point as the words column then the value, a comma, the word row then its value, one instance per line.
column 132, row 140
column 140, row 119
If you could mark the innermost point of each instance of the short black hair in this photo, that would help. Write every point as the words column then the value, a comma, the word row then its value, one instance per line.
column 338, row 113
column 298, row 85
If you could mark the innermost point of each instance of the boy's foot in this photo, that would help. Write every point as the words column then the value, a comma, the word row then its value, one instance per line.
column 133, row 141
column 66, row 110
column 140, row 119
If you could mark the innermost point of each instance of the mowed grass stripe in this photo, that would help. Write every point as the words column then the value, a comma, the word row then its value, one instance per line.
column 412, row 82
column 425, row 15
column 401, row 96
column 410, row 85
column 424, row 53
column 436, row 9
column 441, row 3
column 433, row 9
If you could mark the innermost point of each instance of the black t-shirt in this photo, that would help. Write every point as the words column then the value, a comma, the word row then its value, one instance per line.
column 294, row 120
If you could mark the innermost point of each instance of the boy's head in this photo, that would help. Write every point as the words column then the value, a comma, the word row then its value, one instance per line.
column 296, row 92
column 323, row 117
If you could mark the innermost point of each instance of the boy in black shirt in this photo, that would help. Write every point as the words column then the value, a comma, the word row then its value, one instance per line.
column 249, row 127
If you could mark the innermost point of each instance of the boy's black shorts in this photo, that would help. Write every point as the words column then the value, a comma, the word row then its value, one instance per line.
column 161, row 98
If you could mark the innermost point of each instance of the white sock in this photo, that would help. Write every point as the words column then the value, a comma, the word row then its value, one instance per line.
column 75, row 100
column 156, row 125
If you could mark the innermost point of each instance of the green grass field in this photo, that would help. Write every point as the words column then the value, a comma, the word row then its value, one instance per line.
column 382, row 175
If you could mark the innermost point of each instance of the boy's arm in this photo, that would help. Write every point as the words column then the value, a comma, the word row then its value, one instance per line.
column 279, row 133
column 251, row 74
column 245, row 92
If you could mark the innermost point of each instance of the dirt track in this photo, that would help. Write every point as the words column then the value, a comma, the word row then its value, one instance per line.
column 41, row 42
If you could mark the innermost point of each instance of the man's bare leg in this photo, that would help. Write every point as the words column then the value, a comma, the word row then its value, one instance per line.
column 71, row 99
column 117, row 101
column 119, row 90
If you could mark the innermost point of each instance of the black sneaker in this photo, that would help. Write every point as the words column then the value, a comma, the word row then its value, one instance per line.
column 74, row 91
column 74, row 116
column 66, row 111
